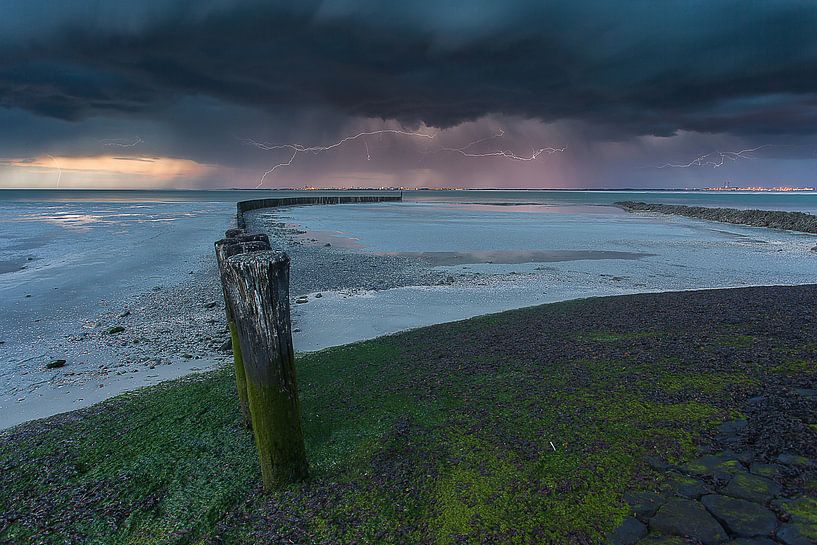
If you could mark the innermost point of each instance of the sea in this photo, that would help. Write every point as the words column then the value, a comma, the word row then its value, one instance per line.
column 68, row 255
column 100, row 245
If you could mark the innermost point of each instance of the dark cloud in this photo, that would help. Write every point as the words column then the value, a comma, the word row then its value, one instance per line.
column 640, row 67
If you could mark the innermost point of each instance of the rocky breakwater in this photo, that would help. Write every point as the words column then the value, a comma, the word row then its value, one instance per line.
column 740, row 490
column 775, row 219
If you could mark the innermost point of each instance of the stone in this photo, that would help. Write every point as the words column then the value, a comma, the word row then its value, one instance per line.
column 115, row 329
column 124, row 314
column 211, row 304
column 798, row 509
column 752, row 487
column 227, row 345
column 644, row 504
column 658, row 539
column 688, row 518
column 794, row 460
column 770, row 471
column 318, row 295
column 657, row 463
column 301, row 300
column 797, row 533
column 752, row 541
column 687, row 486
column 628, row 532
column 55, row 364
column 713, row 464
column 733, row 426
column 806, row 392
column 740, row 517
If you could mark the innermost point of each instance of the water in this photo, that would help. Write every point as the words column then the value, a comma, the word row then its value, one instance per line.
column 66, row 256
column 805, row 201
column 547, row 247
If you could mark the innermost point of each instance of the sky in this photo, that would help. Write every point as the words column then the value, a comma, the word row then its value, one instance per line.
column 423, row 93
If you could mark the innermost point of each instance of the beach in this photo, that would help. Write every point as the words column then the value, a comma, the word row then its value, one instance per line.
column 76, row 269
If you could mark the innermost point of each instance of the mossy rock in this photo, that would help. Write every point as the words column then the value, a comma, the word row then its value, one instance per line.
column 741, row 517
column 115, row 329
column 644, row 504
column 680, row 517
column 752, row 488
column 798, row 533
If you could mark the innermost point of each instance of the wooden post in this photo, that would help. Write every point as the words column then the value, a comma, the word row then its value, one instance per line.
column 258, row 287
column 224, row 249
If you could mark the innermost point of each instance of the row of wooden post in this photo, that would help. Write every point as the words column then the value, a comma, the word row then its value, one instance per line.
column 255, row 282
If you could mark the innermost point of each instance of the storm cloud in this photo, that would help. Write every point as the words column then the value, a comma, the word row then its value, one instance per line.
column 647, row 67
column 618, row 70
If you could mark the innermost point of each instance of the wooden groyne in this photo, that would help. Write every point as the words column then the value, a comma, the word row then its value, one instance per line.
column 255, row 285
column 255, row 204
column 774, row 219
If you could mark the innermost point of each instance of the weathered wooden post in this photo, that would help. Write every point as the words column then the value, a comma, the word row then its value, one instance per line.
column 258, row 288
column 224, row 249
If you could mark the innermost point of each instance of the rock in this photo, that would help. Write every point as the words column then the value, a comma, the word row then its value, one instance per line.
column 187, row 356
column 797, row 533
column 794, row 460
column 318, row 295
column 741, row 517
column 770, row 471
column 658, row 539
column 752, row 541
column 798, row 510
column 644, row 504
column 806, row 392
column 733, row 427
column 687, row 486
column 115, row 329
column 124, row 314
column 55, row 364
column 688, row 518
column 327, row 245
column 627, row 533
column 301, row 300
column 28, row 295
column 752, row 487
column 713, row 464
column 227, row 345
column 656, row 463
column 211, row 304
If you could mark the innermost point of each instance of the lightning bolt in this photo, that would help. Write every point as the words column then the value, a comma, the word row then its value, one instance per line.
column 717, row 159
column 299, row 149
column 59, row 169
column 121, row 142
column 501, row 153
